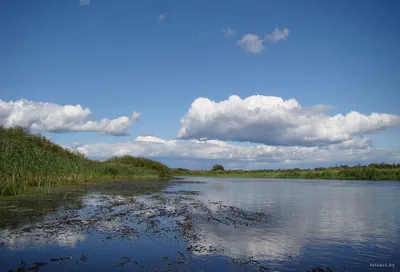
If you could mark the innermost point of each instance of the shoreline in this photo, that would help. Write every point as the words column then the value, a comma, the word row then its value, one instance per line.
column 31, row 190
column 348, row 173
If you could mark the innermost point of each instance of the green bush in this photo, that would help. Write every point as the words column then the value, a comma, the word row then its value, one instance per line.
column 162, row 169
column 217, row 167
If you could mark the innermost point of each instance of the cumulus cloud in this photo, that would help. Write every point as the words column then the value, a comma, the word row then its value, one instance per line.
column 236, row 156
column 273, row 121
column 84, row 2
column 277, row 35
column 163, row 16
column 50, row 117
column 251, row 43
column 228, row 32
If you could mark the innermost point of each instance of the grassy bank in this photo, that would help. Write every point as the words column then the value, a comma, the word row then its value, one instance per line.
column 369, row 172
column 28, row 160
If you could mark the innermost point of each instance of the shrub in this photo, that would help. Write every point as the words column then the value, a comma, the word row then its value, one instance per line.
column 217, row 167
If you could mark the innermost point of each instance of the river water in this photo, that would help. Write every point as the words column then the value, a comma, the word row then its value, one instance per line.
column 204, row 224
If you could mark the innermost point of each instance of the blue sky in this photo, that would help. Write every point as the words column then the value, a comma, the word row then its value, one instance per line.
column 158, row 57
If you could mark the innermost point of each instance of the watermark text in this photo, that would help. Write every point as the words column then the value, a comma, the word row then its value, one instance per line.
column 382, row 265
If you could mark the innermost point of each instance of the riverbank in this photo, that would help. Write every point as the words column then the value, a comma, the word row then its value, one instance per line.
column 28, row 160
column 369, row 172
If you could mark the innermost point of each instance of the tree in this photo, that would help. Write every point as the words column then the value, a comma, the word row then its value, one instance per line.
column 217, row 167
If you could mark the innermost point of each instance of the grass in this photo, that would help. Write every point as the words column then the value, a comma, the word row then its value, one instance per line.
column 28, row 160
column 368, row 172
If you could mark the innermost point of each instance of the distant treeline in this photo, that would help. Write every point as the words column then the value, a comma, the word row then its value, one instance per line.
column 28, row 160
column 373, row 171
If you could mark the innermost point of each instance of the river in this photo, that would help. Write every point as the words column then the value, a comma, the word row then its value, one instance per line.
column 204, row 224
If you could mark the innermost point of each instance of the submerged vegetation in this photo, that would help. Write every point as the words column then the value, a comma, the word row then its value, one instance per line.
column 28, row 160
column 374, row 171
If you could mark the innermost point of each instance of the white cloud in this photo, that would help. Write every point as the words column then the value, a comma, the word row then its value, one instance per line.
column 163, row 16
column 277, row 35
column 228, row 32
column 274, row 121
column 84, row 2
column 255, row 44
column 75, row 144
column 235, row 156
column 50, row 117
column 251, row 43
column 65, row 238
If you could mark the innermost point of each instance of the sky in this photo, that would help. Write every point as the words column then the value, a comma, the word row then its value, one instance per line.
column 260, row 84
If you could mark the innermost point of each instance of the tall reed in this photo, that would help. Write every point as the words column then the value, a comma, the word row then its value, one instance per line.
column 28, row 160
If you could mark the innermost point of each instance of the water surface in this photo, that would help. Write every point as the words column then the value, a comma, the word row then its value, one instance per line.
column 205, row 224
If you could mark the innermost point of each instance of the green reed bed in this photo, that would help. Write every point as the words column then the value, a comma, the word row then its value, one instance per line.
column 28, row 160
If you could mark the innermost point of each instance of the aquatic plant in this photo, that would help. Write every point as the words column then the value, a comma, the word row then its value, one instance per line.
column 28, row 160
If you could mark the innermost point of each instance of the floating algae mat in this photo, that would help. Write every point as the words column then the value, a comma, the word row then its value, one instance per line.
column 198, row 224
